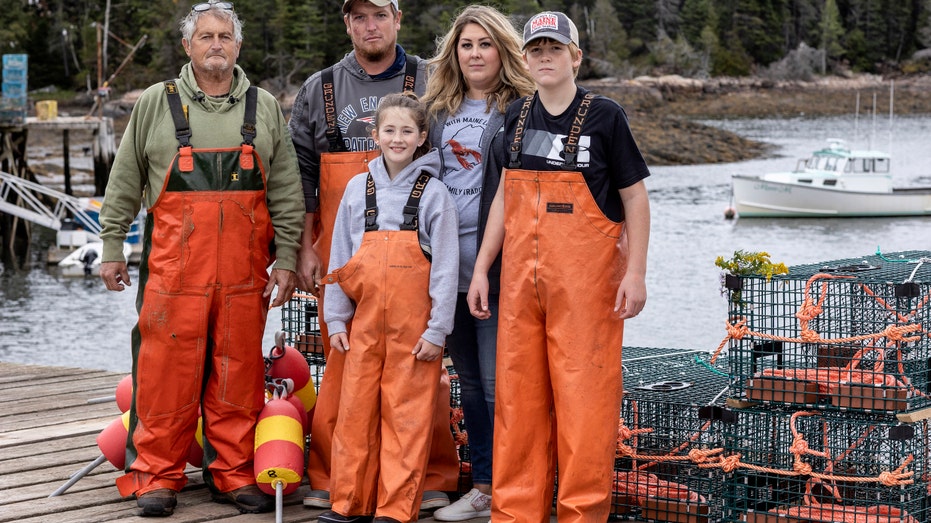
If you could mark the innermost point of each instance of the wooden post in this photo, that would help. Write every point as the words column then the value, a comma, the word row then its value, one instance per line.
column 14, row 231
column 66, row 155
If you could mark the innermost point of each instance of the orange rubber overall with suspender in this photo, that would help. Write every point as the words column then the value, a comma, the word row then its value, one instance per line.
column 559, row 343
column 337, row 167
column 382, row 441
column 198, row 342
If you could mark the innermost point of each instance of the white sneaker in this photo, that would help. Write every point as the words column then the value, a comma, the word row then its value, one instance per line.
column 472, row 505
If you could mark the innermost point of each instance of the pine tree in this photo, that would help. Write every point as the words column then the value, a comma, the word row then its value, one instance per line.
column 831, row 32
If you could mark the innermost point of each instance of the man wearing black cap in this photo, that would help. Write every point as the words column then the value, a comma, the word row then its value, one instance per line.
column 330, row 126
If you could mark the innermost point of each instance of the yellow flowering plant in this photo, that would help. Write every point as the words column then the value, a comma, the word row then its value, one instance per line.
column 742, row 264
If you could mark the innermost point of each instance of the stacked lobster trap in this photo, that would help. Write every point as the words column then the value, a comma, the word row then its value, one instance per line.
column 300, row 323
column 830, row 374
column 670, row 437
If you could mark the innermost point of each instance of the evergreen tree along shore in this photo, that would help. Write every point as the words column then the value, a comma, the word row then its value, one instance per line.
column 285, row 40
column 668, row 62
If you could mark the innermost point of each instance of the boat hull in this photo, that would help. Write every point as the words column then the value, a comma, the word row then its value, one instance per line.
column 755, row 197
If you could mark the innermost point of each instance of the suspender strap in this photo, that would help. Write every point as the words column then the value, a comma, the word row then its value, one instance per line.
column 410, row 210
column 514, row 162
column 371, row 206
column 333, row 135
column 571, row 149
column 182, row 129
column 413, row 203
column 410, row 74
column 248, row 122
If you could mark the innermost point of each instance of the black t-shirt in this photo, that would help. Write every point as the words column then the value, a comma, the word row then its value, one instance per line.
column 608, row 156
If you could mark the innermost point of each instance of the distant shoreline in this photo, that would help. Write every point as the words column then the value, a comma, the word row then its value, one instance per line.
column 663, row 110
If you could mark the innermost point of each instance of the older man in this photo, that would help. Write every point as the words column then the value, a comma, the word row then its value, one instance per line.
column 211, row 159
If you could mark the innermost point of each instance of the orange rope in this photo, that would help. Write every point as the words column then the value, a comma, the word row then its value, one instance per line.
column 641, row 486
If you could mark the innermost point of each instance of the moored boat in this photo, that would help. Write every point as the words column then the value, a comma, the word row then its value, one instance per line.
column 833, row 182
column 85, row 260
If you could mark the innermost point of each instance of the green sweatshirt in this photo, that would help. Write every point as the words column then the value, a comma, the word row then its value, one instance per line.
column 148, row 146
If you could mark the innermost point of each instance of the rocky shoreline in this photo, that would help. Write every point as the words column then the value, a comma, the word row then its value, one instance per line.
column 663, row 110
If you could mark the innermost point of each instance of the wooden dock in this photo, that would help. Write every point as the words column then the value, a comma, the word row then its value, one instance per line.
column 49, row 421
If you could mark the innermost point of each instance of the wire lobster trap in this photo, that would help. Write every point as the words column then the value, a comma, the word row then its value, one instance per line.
column 849, row 334
column 670, row 438
column 825, row 466
column 300, row 323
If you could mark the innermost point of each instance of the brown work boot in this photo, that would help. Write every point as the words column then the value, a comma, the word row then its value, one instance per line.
column 248, row 499
column 157, row 503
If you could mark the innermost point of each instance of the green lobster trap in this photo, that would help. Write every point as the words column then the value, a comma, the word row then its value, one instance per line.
column 849, row 334
column 300, row 323
column 825, row 466
column 670, row 438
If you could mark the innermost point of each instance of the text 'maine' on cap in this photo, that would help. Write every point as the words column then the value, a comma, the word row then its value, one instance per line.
column 550, row 24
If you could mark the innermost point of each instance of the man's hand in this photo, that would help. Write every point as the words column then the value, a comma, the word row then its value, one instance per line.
column 285, row 280
column 115, row 275
column 309, row 270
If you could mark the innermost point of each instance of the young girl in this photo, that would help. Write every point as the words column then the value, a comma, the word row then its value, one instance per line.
column 572, row 218
column 401, row 299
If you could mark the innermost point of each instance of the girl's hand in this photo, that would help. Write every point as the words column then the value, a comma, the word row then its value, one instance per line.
column 478, row 296
column 426, row 351
column 340, row 342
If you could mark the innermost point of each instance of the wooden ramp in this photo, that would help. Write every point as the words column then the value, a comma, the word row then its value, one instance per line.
column 48, row 431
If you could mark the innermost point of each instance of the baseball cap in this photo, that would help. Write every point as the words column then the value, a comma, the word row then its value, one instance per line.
column 347, row 4
column 550, row 24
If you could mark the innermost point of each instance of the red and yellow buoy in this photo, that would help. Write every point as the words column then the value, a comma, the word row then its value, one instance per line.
column 279, row 448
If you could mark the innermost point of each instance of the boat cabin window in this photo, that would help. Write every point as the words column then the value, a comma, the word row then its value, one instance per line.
column 830, row 181
column 869, row 165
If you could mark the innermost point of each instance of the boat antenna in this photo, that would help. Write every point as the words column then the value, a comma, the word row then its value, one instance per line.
column 891, row 98
column 856, row 122
column 872, row 124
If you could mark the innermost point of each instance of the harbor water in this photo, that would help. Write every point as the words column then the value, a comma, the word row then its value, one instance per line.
column 48, row 319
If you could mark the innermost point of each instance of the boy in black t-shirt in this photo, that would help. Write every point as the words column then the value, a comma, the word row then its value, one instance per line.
column 572, row 220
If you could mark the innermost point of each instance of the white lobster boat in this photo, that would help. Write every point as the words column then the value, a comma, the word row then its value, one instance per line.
column 833, row 182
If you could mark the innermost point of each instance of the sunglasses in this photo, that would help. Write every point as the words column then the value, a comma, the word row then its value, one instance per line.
column 206, row 6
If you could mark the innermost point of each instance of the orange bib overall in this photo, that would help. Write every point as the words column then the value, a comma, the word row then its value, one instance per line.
column 382, row 441
column 559, row 351
column 198, row 341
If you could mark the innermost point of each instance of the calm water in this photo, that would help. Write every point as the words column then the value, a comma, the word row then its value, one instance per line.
column 51, row 320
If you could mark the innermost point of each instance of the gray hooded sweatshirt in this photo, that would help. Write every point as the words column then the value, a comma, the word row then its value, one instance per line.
column 438, row 229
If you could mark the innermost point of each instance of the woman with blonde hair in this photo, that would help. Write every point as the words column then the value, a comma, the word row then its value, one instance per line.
column 477, row 71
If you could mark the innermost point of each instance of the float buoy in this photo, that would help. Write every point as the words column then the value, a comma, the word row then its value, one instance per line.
column 124, row 393
column 112, row 441
column 729, row 213
column 279, row 448
column 288, row 363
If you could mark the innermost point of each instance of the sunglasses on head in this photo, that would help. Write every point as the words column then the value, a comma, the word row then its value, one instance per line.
column 206, row 6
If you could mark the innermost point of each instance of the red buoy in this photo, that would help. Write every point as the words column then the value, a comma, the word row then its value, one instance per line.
column 112, row 441
column 124, row 393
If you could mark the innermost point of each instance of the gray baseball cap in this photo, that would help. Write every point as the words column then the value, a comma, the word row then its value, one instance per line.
column 550, row 24
column 347, row 4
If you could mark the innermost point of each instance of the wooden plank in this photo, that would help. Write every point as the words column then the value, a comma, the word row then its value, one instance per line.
column 82, row 427
column 76, row 457
column 47, row 447
column 53, row 417
column 59, row 384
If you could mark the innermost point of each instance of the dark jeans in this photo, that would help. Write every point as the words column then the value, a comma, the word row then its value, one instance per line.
column 472, row 347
